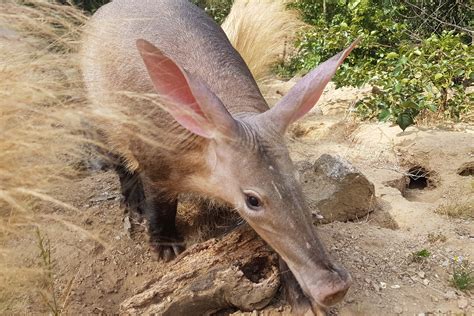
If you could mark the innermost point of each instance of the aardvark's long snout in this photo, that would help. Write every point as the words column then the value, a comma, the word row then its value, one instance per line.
column 323, row 282
column 326, row 287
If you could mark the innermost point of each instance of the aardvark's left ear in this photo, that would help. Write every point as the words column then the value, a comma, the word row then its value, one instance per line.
column 304, row 95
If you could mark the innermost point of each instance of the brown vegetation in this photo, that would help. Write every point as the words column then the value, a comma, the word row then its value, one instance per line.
column 39, row 85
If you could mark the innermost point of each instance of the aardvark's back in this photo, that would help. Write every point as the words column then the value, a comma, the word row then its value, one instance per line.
column 111, row 62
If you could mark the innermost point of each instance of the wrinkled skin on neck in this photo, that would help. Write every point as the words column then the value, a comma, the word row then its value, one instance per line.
column 258, row 161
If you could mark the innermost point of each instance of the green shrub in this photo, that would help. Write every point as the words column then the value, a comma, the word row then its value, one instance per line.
column 417, row 77
column 414, row 69
column 420, row 256
column 463, row 274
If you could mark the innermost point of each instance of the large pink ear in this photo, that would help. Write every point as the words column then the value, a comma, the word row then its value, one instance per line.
column 185, row 97
column 304, row 95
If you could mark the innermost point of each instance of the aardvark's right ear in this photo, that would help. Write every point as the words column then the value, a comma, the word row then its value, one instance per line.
column 187, row 98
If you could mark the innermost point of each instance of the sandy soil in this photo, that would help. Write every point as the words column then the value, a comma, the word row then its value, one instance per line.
column 98, row 264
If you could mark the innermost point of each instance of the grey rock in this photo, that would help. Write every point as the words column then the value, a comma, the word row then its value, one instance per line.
column 450, row 295
column 338, row 190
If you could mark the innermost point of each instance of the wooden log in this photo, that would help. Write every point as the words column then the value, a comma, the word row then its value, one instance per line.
column 237, row 270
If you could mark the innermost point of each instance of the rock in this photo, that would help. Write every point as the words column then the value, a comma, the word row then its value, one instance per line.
column 398, row 310
column 337, row 189
column 450, row 295
column 463, row 303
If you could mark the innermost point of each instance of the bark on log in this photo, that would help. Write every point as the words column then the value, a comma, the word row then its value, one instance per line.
column 238, row 270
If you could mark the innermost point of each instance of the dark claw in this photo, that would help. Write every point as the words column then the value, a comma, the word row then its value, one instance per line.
column 166, row 250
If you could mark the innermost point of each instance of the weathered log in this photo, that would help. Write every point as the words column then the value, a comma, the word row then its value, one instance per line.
column 238, row 270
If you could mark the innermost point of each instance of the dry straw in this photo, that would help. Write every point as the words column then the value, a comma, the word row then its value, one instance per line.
column 39, row 87
column 42, row 106
column 262, row 31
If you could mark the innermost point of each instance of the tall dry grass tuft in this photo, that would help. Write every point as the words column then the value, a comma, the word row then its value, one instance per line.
column 40, row 88
column 41, row 102
column 262, row 31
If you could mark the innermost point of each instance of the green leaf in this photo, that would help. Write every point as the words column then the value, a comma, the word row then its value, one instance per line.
column 398, row 87
column 408, row 105
column 384, row 115
column 404, row 120
column 392, row 55
column 354, row 4
column 438, row 76
column 459, row 72
column 432, row 107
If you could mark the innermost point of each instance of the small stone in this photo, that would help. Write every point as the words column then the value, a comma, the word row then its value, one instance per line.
column 395, row 286
column 434, row 299
column 383, row 285
column 450, row 295
column 421, row 274
column 421, row 314
column 426, row 281
column 463, row 303
column 376, row 287
column 398, row 310
column 127, row 225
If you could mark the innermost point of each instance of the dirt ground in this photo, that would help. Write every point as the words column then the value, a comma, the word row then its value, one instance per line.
column 97, row 264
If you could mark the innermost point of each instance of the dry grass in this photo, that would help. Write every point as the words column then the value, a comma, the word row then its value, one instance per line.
column 261, row 41
column 41, row 103
column 459, row 204
column 457, row 209
column 39, row 89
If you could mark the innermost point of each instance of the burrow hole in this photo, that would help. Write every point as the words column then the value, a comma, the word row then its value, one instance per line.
column 466, row 169
column 418, row 178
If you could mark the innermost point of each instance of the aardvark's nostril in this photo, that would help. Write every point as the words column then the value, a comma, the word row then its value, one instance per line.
column 337, row 287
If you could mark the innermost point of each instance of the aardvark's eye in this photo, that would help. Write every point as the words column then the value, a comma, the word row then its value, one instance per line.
column 253, row 202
